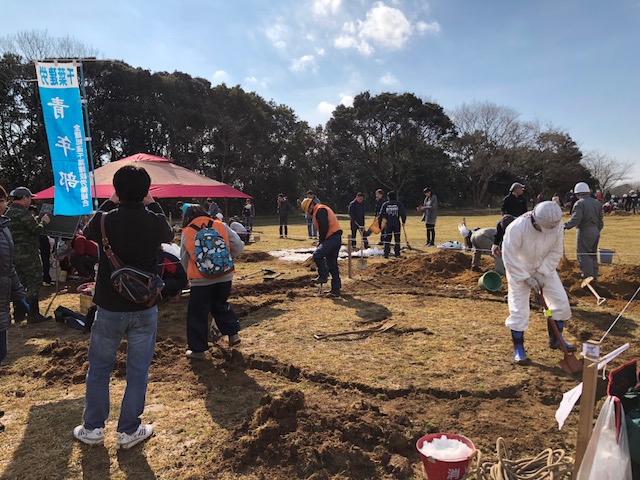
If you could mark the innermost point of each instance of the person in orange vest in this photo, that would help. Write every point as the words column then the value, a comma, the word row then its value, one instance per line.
column 330, row 238
column 209, row 292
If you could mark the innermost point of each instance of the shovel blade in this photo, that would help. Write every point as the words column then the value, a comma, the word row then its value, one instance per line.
column 570, row 364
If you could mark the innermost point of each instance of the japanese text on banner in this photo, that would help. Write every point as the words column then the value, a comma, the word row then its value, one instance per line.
column 62, row 111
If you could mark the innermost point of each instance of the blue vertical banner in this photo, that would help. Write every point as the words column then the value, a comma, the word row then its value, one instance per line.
column 62, row 109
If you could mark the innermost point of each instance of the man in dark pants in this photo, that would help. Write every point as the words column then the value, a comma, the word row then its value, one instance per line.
column 25, row 230
column 356, row 217
column 330, row 237
column 514, row 204
column 135, row 226
column 392, row 212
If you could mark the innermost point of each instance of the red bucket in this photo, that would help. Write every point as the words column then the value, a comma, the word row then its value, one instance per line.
column 445, row 469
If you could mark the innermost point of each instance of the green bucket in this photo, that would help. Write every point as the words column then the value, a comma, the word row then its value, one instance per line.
column 491, row 281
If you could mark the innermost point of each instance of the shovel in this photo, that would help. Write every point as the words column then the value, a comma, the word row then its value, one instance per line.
column 271, row 276
column 266, row 271
column 382, row 328
column 569, row 363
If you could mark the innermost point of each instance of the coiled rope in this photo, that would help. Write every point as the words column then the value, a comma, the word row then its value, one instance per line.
column 547, row 465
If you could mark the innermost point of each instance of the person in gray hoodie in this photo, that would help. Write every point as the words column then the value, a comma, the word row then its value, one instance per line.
column 586, row 216
column 429, row 209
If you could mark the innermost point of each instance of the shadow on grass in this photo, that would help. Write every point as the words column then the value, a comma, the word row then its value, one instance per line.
column 368, row 311
column 134, row 464
column 232, row 396
column 46, row 445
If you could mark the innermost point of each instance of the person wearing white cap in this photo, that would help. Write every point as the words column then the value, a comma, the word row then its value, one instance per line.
column 586, row 216
column 531, row 250
column 514, row 204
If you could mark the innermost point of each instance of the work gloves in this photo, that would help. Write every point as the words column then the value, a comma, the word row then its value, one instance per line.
column 533, row 284
column 539, row 278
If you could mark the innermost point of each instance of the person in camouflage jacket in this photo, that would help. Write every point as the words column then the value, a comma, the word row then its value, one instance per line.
column 25, row 230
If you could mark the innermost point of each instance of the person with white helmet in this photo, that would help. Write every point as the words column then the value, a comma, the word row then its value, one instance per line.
column 531, row 250
column 586, row 216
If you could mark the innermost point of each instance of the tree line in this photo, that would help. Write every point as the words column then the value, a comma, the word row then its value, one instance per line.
column 393, row 141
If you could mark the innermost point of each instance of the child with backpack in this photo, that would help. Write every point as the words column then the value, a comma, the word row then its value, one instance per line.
column 207, row 249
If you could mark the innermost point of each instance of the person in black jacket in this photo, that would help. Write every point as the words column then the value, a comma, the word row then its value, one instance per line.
column 283, row 208
column 10, row 286
column 356, row 217
column 135, row 226
column 514, row 204
column 392, row 212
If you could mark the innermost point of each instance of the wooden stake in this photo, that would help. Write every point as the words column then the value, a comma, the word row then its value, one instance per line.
column 587, row 407
column 349, row 256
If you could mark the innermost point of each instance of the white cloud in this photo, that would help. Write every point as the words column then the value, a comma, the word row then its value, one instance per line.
column 424, row 27
column 277, row 34
column 389, row 79
column 383, row 27
column 253, row 82
column 323, row 8
column 326, row 108
column 346, row 100
column 220, row 76
column 304, row 63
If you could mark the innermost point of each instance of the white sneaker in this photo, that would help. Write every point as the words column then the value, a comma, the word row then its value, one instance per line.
column 90, row 437
column 196, row 355
column 126, row 441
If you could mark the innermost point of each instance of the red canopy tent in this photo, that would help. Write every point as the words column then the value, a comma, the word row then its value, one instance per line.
column 167, row 180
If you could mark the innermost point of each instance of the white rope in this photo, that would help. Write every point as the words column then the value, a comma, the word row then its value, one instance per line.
column 619, row 315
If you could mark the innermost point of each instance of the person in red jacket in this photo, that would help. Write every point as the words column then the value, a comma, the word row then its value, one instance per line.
column 84, row 256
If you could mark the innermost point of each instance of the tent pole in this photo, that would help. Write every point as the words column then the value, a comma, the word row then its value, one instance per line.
column 87, row 139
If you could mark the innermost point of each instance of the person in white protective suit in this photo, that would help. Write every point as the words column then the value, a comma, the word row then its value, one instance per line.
column 531, row 250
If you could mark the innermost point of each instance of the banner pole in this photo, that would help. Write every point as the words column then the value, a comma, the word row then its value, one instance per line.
column 87, row 139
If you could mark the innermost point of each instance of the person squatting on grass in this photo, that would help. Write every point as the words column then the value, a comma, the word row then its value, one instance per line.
column 330, row 240
column 531, row 251
column 208, row 295
column 10, row 286
column 135, row 227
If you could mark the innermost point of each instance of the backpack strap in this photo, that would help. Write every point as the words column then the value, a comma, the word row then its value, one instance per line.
column 197, row 228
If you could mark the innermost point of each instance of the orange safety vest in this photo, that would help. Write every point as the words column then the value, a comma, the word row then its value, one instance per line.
column 190, row 242
column 334, row 226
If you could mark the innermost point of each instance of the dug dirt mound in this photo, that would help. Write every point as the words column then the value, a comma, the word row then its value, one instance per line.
column 253, row 257
column 618, row 281
column 304, row 441
column 443, row 263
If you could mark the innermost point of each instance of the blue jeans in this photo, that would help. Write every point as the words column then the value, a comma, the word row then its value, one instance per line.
column 108, row 330
column 326, row 258
column 205, row 300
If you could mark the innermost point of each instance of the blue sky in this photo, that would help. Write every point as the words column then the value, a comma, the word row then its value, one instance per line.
column 574, row 64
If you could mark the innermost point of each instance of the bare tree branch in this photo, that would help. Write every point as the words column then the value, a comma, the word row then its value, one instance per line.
column 608, row 171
